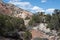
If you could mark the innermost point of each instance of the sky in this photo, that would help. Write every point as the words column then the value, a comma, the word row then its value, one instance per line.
column 47, row 6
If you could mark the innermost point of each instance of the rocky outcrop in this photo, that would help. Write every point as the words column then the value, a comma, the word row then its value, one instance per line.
column 37, row 33
column 12, row 10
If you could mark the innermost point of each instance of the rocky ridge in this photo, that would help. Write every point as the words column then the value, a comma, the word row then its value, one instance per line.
column 12, row 10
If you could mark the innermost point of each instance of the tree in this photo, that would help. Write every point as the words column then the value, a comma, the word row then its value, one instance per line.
column 8, row 23
column 26, row 37
column 27, row 18
column 10, row 26
column 37, row 18
column 54, row 23
column 48, row 18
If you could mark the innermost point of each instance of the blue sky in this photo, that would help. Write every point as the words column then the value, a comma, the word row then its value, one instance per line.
column 47, row 6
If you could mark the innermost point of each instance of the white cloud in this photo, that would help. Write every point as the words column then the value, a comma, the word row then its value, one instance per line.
column 28, row 6
column 24, row 5
column 43, row 1
column 14, row 0
column 17, row 2
column 37, row 9
column 50, row 10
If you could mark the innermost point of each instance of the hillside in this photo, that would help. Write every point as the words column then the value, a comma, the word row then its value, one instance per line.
column 19, row 24
column 12, row 28
column 12, row 10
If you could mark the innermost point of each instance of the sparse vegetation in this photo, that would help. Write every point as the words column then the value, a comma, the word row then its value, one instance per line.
column 54, row 23
column 14, row 21
column 10, row 26
column 27, row 18
column 36, row 19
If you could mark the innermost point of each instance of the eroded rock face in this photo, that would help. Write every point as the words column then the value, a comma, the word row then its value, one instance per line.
column 4, row 9
column 12, row 10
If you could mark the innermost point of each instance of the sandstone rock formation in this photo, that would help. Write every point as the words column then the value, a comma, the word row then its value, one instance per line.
column 12, row 10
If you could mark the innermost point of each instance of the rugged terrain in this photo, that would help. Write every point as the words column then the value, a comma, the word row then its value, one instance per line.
column 12, row 10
